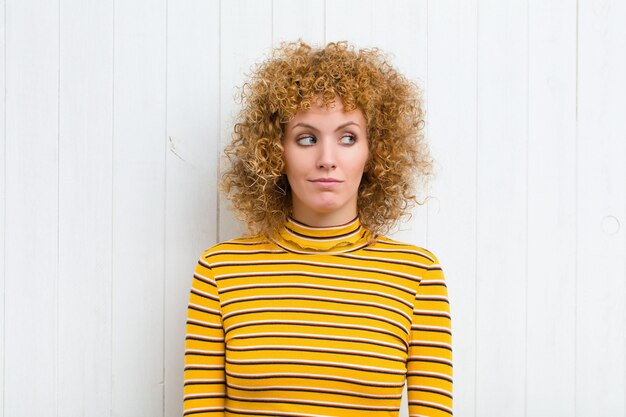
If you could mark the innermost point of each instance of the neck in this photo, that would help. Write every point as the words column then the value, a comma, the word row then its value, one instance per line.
column 300, row 237
column 314, row 219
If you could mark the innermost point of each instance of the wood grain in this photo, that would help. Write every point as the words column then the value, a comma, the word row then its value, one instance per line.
column 139, row 148
column 85, row 196
column 191, row 174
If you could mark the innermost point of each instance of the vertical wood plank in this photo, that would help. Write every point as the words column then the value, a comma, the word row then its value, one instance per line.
column 31, row 263
column 246, row 38
column 400, row 29
column 293, row 20
column 3, row 196
column 85, row 135
column 551, row 208
column 347, row 21
column 193, row 135
column 139, row 146
column 452, row 77
column 601, row 217
column 501, row 209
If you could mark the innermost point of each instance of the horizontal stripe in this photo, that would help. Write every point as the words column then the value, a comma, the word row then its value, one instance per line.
column 337, row 237
column 436, row 406
column 304, row 362
column 204, row 396
column 316, row 252
column 400, row 251
column 283, row 286
column 430, row 359
column 312, row 323
column 431, row 329
column 432, row 313
column 204, row 294
column 422, row 388
column 204, row 279
column 274, row 262
column 331, row 313
column 204, row 352
column 240, row 242
column 319, row 337
column 242, row 252
column 315, row 350
column 434, row 282
column 309, row 375
column 273, row 413
column 432, row 298
column 279, row 400
column 202, row 367
column 426, row 374
column 428, row 343
column 332, row 391
column 192, row 411
column 326, row 300
column 298, row 273
column 204, row 381
column 197, row 307
column 192, row 336
column 204, row 324
column 418, row 265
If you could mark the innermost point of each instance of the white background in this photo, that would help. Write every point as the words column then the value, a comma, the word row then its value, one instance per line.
column 112, row 121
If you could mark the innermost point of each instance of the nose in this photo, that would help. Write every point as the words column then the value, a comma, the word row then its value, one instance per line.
column 327, row 157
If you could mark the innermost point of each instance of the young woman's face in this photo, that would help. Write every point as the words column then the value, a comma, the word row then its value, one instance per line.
column 325, row 152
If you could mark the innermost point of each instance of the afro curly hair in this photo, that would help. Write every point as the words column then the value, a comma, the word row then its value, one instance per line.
column 297, row 75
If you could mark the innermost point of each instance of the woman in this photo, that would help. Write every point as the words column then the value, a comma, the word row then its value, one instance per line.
column 316, row 313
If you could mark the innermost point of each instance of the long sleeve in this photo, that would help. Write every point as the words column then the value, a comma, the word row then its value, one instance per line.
column 429, row 376
column 204, row 348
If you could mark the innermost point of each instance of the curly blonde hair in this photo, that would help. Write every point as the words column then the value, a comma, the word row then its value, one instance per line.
column 294, row 77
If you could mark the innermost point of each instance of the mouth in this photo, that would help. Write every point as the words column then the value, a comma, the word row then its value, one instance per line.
column 326, row 180
column 326, row 183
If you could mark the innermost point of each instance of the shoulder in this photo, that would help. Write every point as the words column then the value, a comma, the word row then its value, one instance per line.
column 234, row 248
column 393, row 247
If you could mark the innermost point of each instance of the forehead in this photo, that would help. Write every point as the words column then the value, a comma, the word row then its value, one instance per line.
column 332, row 114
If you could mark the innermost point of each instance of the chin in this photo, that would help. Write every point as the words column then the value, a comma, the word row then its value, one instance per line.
column 327, row 208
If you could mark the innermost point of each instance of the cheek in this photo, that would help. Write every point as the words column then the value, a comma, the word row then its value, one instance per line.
column 291, row 168
column 287, row 163
column 361, row 162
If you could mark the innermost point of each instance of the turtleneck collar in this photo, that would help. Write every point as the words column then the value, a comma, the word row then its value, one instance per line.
column 299, row 237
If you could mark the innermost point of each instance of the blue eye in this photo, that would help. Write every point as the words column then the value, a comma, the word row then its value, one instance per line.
column 348, row 139
column 306, row 140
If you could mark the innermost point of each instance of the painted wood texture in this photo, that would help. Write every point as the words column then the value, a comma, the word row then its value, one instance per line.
column 31, row 234
column 551, row 210
column 451, row 211
column 139, row 146
column 601, row 210
column 84, row 219
column 192, row 128
column 3, row 196
column 113, row 121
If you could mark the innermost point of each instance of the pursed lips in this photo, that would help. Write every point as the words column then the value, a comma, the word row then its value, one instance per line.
column 325, row 180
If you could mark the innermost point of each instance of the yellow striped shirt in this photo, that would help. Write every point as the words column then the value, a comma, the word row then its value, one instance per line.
column 317, row 322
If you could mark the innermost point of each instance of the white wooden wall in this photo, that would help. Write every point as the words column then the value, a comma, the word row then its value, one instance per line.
column 112, row 121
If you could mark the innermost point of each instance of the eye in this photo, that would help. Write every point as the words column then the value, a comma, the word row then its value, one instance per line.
column 347, row 139
column 307, row 140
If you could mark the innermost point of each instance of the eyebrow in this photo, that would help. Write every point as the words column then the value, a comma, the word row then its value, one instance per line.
column 314, row 128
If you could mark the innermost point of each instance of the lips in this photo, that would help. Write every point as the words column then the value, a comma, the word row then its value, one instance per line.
column 327, row 184
column 326, row 180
